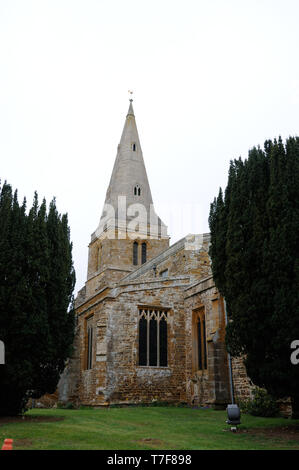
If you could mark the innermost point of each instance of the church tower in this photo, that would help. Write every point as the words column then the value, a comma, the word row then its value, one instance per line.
column 130, row 232
column 150, row 321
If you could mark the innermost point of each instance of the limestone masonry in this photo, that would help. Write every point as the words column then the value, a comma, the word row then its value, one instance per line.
column 150, row 321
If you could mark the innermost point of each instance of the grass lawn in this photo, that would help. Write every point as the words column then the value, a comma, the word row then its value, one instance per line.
column 148, row 428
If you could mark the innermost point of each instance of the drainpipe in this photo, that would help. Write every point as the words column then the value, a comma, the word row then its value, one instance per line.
column 229, row 362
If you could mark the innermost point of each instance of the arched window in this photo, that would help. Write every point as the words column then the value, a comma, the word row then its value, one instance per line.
column 199, row 335
column 89, row 342
column 143, row 253
column 135, row 253
column 134, row 147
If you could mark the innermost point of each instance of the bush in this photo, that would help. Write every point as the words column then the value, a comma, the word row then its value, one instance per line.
column 262, row 404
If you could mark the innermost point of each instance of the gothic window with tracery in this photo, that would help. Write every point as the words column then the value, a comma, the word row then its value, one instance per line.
column 152, row 337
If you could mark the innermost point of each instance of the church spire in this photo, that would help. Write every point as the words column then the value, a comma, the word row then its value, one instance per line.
column 129, row 233
column 129, row 179
column 129, row 173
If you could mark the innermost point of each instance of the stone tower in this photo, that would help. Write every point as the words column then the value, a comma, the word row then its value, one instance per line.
column 130, row 232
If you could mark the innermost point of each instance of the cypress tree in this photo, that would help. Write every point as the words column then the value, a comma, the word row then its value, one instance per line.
column 59, row 300
column 254, row 252
column 36, row 304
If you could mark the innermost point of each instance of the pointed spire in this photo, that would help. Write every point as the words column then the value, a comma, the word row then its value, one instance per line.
column 129, row 177
column 131, row 111
column 129, row 169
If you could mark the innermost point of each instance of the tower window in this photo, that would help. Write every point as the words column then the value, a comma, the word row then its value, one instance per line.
column 137, row 190
column 99, row 256
column 152, row 338
column 164, row 273
column 134, row 147
column 143, row 253
column 135, row 253
column 199, row 335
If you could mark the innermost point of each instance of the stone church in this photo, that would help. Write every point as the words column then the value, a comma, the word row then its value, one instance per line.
column 150, row 321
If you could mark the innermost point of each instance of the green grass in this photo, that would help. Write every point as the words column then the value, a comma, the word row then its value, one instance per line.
column 137, row 428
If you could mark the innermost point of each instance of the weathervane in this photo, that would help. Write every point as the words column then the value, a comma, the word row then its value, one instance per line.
column 130, row 94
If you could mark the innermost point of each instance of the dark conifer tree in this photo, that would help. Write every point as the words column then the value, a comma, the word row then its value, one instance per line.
column 254, row 252
column 58, row 299
column 35, row 276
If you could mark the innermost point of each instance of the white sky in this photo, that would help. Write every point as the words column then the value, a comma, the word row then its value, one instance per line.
column 211, row 79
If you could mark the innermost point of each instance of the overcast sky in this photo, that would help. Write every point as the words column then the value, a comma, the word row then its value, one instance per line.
column 211, row 79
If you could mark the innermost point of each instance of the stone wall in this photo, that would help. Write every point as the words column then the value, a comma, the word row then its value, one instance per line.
column 242, row 384
column 210, row 386
column 116, row 376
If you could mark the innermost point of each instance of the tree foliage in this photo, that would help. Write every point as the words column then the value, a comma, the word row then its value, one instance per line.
column 254, row 252
column 36, row 299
